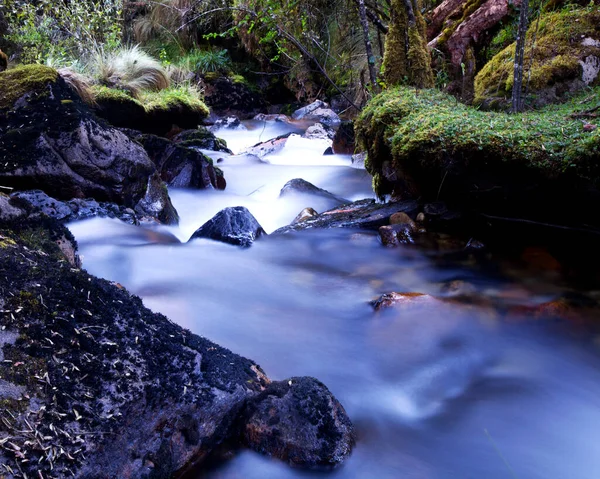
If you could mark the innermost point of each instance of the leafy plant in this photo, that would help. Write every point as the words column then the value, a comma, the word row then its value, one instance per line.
column 47, row 28
column 205, row 61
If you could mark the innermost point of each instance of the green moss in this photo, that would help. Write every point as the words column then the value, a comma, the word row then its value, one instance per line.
column 102, row 93
column 394, row 66
column 555, row 58
column 402, row 63
column 24, row 79
column 431, row 128
column 172, row 98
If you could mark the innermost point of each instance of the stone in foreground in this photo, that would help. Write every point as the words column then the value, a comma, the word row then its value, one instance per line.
column 93, row 385
column 301, row 422
column 234, row 225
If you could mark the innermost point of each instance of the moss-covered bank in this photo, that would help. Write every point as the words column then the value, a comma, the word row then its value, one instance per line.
column 426, row 144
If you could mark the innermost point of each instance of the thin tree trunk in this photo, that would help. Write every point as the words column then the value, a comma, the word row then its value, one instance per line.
column 517, row 91
column 362, row 13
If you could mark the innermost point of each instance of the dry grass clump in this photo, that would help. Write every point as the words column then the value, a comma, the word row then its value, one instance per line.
column 130, row 69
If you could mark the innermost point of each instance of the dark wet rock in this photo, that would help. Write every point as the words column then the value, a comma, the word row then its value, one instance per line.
column 325, row 116
column 226, row 95
column 402, row 218
column 50, row 140
column 180, row 166
column 435, row 209
column 122, row 112
column 230, row 123
column 474, row 245
column 299, row 421
column 273, row 117
column 73, row 210
column 318, row 132
column 300, row 186
column 363, row 214
column 388, row 300
column 201, row 138
column 156, row 202
column 343, row 140
column 96, row 386
column 234, row 225
column 241, row 159
column 301, row 113
column 328, row 152
column 397, row 234
column 268, row 147
column 304, row 215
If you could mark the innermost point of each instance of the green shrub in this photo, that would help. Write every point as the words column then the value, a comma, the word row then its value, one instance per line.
column 47, row 28
column 206, row 61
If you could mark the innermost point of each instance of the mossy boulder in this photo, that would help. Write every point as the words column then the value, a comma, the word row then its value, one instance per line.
column 51, row 140
column 94, row 385
column 155, row 112
column 425, row 144
column 564, row 59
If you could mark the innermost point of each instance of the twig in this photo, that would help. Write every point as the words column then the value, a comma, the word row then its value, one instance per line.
column 512, row 473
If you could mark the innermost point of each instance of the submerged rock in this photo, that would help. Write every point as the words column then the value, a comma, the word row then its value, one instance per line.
column 96, row 386
column 73, row 210
column 268, row 147
column 234, row 225
column 300, row 186
column 299, row 421
column 397, row 234
column 230, row 123
column 388, row 300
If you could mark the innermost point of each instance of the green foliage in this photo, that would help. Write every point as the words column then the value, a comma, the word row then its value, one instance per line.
column 205, row 61
column 555, row 58
column 47, row 28
column 430, row 127
column 505, row 36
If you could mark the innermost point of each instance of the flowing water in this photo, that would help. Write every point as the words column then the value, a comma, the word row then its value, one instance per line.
column 435, row 390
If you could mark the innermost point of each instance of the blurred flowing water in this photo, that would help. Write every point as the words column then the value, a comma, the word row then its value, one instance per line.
column 435, row 390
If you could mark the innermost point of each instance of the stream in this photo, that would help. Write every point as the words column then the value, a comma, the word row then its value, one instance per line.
column 436, row 390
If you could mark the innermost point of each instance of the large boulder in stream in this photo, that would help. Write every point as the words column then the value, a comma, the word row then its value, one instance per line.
column 94, row 385
column 50, row 140
column 181, row 166
column 319, row 112
column 234, row 225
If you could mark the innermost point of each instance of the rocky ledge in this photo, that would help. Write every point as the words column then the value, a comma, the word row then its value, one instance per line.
column 94, row 385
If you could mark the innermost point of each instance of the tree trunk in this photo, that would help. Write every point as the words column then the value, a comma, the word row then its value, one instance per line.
column 517, row 101
column 362, row 13
column 441, row 13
